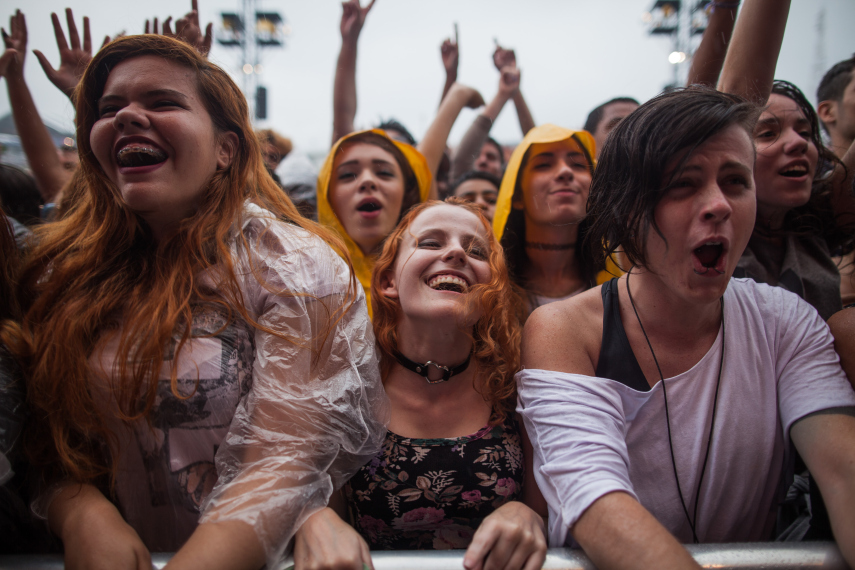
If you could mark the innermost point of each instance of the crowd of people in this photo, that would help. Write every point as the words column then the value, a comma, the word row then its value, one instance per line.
column 623, row 338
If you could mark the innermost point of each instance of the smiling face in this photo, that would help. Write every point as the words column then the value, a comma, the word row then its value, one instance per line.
column 706, row 216
column 366, row 193
column 444, row 252
column 786, row 159
column 155, row 140
column 555, row 184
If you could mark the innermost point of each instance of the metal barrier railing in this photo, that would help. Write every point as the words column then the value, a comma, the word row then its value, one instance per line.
column 745, row 556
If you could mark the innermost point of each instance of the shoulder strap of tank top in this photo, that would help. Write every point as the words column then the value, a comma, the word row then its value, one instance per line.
column 617, row 361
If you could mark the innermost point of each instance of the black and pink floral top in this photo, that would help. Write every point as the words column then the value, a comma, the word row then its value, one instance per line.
column 422, row 494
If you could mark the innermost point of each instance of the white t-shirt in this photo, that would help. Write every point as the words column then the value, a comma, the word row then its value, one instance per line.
column 593, row 436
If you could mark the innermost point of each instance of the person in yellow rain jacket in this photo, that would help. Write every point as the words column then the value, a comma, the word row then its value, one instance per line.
column 540, row 215
column 366, row 184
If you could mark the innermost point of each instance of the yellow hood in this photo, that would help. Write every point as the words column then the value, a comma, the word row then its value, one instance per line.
column 363, row 264
column 542, row 134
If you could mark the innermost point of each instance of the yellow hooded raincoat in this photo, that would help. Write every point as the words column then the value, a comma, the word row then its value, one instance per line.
column 504, row 203
column 362, row 263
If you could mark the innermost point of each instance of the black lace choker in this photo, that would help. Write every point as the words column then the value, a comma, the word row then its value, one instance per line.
column 423, row 369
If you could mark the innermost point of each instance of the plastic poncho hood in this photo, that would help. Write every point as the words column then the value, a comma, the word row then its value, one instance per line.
column 362, row 263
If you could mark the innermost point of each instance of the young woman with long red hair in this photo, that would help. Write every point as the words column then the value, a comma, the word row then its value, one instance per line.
column 201, row 374
column 454, row 471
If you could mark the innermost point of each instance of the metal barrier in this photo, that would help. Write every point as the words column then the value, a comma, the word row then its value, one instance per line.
column 755, row 556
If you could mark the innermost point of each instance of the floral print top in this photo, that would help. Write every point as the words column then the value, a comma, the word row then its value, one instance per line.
column 422, row 494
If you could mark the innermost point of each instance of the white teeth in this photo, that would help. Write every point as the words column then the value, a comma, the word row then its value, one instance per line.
column 435, row 282
column 712, row 243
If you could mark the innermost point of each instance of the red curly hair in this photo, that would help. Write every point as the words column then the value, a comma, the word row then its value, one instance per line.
column 496, row 335
column 98, row 269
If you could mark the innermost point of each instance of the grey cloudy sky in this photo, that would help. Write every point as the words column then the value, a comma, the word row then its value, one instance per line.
column 573, row 55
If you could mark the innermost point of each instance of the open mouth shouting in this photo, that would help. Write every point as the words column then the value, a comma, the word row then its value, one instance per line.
column 710, row 258
column 139, row 154
column 448, row 282
column 369, row 207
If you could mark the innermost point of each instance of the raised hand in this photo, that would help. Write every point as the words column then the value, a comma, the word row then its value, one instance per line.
column 503, row 58
column 188, row 30
column 352, row 18
column 15, row 42
column 450, row 57
column 509, row 81
column 72, row 60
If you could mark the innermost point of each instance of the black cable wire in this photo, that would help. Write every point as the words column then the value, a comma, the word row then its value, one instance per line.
column 668, row 416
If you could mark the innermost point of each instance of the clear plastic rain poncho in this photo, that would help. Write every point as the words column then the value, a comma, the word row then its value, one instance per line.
column 273, row 426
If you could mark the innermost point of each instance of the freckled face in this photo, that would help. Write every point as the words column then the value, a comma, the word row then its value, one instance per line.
column 155, row 139
column 445, row 252
column 366, row 193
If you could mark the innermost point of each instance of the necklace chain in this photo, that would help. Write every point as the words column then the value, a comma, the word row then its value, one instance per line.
column 694, row 518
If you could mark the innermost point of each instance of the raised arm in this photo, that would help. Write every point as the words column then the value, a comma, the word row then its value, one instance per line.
column 433, row 143
column 749, row 66
column 709, row 57
column 826, row 442
column 344, row 88
column 189, row 30
column 35, row 139
column 470, row 145
column 72, row 60
column 503, row 59
column 450, row 58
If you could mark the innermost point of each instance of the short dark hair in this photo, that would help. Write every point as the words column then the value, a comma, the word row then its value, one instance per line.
column 393, row 125
column 475, row 175
column 630, row 178
column 834, row 82
column 595, row 116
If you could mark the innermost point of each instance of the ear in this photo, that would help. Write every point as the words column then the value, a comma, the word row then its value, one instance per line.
column 518, row 204
column 827, row 112
column 388, row 287
column 227, row 151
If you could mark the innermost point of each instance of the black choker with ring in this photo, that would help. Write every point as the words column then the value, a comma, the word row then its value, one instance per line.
column 424, row 369
column 693, row 519
column 549, row 246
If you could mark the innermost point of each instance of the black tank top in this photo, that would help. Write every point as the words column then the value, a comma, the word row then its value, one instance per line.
column 617, row 361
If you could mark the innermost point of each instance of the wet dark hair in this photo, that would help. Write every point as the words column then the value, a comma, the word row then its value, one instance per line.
column 19, row 195
column 495, row 143
column 817, row 216
column 631, row 175
column 475, row 175
column 394, row 125
column 595, row 116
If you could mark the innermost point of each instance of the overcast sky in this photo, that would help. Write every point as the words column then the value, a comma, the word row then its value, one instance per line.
column 573, row 55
